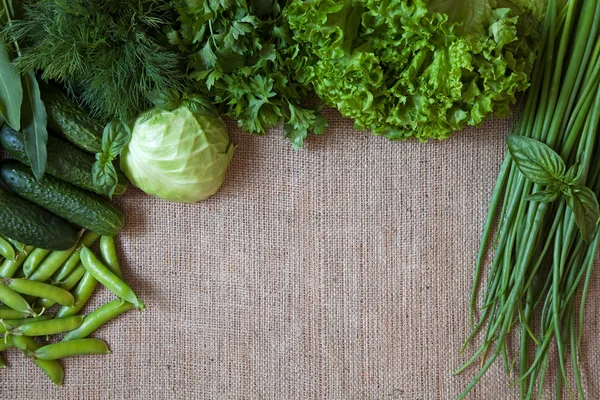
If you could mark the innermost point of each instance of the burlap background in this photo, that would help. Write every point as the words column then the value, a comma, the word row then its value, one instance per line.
column 338, row 272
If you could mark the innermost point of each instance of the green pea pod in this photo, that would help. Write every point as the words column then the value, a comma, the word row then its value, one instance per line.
column 111, row 281
column 16, row 244
column 2, row 364
column 6, row 344
column 49, row 327
column 8, row 268
column 82, row 293
column 14, row 300
column 73, row 278
column 9, row 313
column 87, row 239
column 98, row 318
column 7, row 250
column 7, row 325
column 69, row 283
column 51, row 264
column 40, row 289
column 77, row 347
column 34, row 259
column 50, row 367
column 108, row 252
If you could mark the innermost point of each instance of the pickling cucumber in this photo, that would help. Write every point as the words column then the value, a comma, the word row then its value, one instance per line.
column 69, row 120
column 75, row 205
column 65, row 161
column 30, row 224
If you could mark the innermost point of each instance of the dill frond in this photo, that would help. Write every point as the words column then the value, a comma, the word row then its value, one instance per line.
column 107, row 52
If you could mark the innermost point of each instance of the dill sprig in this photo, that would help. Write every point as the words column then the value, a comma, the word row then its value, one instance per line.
column 108, row 53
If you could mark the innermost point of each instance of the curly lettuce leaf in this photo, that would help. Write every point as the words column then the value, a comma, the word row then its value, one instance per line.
column 471, row 15
column 412, row 70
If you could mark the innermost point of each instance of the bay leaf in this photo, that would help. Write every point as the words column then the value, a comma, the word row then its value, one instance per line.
column 11, row 91
column 34, row 118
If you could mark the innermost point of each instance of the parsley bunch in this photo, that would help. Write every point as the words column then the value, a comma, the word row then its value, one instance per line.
column 244, row 58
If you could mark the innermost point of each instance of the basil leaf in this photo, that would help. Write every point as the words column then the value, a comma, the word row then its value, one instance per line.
column 536, row 160
column 11, row 91
column 165, row 100
column 105, row 177
column 199, row 104
column 573, row 174
column 548, row 195
column 33, row 118
column 115, row 137
column 584, row 204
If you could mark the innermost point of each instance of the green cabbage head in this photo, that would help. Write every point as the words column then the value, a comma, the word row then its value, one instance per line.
column 179, row 154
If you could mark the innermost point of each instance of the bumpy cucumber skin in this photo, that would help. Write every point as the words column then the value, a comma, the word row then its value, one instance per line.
column 65, row 161
column 23, row 221
column 71, row 121
column 75, row 205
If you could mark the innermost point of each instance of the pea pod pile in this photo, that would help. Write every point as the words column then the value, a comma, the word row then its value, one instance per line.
column 33, row 280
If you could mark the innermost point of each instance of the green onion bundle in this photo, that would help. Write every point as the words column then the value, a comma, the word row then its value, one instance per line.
column 541, row 259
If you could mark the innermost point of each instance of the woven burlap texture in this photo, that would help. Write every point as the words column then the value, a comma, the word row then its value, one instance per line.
column 341, row 271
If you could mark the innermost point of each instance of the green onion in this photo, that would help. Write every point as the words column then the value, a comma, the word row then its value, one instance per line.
column 540, row 259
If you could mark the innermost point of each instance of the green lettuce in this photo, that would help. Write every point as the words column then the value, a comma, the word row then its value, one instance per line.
column 417, row 68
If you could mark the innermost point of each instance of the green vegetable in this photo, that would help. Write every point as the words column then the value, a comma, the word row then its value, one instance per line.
column 11, row 91
column 8, row 313
column 98, row 318
column 28, row 223
column 109, row 255
column 75, row 205
column 406, row 69
column 65, row 161
column 244, row 58
column 17, row 245
column 50, row 367
column 115, row 137
column 547, row 239
column 72, row 279
column 50, row 265
column 7, row 250
column 34, row 129
column 19, row 321
column 8, row 268
column 71, row 121
column 49, row 327
column 14, row 300
column 20, row 102
column 71, row 348
column 40, row 289
column 8, row 325
column 180, row 154
column 87, row 239
column 543, row 166
column 107, row 52
column 33, row 261
column 82, row 294
column 67, row 284
column 108, row 278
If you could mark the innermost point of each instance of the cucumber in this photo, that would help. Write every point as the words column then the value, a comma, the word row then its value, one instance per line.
column 69, row 120
column 75, row 205
column 30, row 224
column 65, row 161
